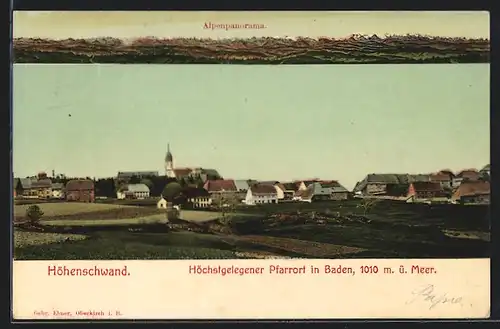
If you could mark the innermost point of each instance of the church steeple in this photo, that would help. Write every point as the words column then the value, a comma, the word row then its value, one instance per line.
column 169, row 163
column 168, row 157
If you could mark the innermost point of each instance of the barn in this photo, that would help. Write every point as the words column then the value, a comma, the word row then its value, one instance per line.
column 81, row 190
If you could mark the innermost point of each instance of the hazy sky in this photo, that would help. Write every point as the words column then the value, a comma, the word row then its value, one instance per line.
column 248, row 121
column 66, row 24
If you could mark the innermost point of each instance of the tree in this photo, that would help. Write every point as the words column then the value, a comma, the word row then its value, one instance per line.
column 148, row 182
column 227, row 204
column 134, row 180
column 367, row 205
column 34, row 214
column 171, row 192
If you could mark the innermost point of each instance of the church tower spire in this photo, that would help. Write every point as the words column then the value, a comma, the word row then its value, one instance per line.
column 169, row 163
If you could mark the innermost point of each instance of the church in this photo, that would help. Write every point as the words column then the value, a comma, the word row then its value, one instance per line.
column 180, row 173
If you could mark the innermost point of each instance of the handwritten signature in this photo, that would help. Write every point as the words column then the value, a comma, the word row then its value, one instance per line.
column 428, row 294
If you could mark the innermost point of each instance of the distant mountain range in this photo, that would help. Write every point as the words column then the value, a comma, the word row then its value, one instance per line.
column 354, row 49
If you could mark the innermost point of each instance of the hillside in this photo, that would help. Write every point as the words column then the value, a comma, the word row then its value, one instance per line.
column 355, row 49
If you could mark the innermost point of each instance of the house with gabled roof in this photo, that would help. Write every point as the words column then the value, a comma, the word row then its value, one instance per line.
column 470, row 174
column 376, row 184
column 261, row 194
column 133, row 191
column 426, row 191
column 474, row 192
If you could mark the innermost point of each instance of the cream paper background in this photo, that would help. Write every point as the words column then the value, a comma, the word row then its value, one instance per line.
column 166, row 290
column 74, row 24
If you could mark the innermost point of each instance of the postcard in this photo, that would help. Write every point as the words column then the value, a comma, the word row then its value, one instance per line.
column 250, row 165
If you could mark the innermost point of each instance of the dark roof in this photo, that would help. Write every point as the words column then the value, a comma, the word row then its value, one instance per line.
column 290, row 186
column 391, row 179
column 79, row 184
column 220, row 185
column 332, row 183
column 263, row 189
column 57, row 186
column 469, row 188
column 447, row 172
column 129, row 174
column 427, row 187
column 268, row 182
column 43, row 183
column 419, row 178
column 193, row 192
column 397, row 189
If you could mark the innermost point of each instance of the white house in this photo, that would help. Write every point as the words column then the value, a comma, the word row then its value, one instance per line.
column 260, row 194
column 201, row 201
column 280, row 191
column 162, row 204
column 134, row 191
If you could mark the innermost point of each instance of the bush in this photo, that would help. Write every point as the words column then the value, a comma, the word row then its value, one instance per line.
column 34, row 214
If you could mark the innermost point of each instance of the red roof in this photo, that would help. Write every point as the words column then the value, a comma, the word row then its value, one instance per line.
column 182, row 171
column 220, row 185
column 263, row 189
column 469, row 174
column 79, row 184
column 469, row 188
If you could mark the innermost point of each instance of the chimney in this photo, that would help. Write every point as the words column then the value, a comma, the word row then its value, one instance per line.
column 53, row 173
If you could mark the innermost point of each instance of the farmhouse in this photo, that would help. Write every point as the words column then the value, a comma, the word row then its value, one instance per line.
column 23, row 188
column 443, row 179
column 425, row 191
column 465, row 175
column 477, row 192
column 42, row 188
column 221, row 189
column 133, row 191
column 376, row 184
column 81, row 190
column 220, row 186
column 261, row 194
column 329, row 190
column 197, row 197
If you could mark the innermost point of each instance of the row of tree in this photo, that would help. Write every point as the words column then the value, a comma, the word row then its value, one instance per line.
column 107, row 187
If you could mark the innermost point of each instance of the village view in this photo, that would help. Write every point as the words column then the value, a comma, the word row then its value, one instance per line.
column 441, row 214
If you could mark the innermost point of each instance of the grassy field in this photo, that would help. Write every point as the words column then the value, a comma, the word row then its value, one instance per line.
column 89, row 231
